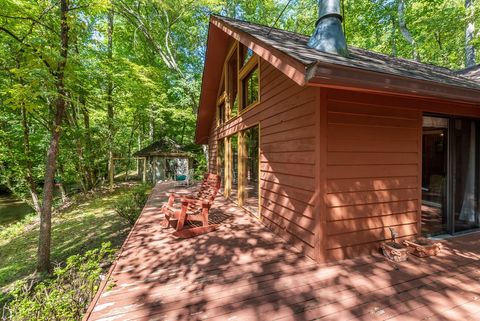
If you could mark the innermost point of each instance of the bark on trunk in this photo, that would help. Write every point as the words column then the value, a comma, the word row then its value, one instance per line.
column 129, row 159
column 32, row 186
column 88, row 143
column 470, row 56
column 151, row 124
column 44, row 241
column 405, row 32
column 394, row 41
column 110, row 100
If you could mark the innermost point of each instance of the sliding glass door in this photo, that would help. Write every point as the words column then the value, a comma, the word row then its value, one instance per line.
column 251, row 169
column 465, row 175
column 434, row 175
column 450, row 164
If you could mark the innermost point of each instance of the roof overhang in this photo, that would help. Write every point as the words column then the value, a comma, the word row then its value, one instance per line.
column 219, row 35
column 321, row 74
column 338, row 76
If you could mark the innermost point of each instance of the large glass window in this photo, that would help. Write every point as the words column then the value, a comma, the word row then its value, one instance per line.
column 245, row 55
column 450, row 175
column 465, row 174
column 234, row 166
column 434, row 175
column 221, row 160
column 232, row 95
column 250, row 87
column 221, row 113
column 251, row 165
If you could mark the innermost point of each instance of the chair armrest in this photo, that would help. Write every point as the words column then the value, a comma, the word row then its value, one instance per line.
column 203, row 203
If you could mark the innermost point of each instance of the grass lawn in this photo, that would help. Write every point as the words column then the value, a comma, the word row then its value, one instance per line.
column 84, row 226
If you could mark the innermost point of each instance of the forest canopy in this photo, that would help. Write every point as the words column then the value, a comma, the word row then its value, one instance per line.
column 112, row 76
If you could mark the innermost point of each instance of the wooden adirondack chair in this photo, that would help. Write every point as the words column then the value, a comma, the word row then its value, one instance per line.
column 192, row 208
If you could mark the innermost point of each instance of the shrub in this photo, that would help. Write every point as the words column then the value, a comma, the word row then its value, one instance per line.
column 64, row 296
column 130, row 206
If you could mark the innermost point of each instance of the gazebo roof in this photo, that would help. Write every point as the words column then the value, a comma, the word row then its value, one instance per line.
column 163, row 147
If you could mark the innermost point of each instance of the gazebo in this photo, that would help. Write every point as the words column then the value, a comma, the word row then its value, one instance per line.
column 164, row 160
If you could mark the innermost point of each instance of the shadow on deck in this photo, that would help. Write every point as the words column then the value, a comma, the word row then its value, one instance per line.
column 243, row 271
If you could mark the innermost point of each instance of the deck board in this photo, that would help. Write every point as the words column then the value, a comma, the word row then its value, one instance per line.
column 243, row 271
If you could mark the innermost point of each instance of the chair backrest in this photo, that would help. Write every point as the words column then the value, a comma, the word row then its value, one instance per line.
column 210, row 186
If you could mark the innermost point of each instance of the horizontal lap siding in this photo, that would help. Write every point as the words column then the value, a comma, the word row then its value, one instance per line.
column 286, row 115
column 287, row 157
column 372, row 174
column 212, row 149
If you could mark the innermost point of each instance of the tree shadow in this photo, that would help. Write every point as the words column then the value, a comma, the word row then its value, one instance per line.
column 243, row 271
column 73, row 232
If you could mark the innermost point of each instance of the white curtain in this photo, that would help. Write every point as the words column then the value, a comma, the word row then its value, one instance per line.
column 467, row 213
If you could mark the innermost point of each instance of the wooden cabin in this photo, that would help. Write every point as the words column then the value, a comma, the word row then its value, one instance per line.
column 330, row 151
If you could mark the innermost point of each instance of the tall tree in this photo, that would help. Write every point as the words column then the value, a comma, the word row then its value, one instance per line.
column 405, row 31
column 470, row 59
column 110, row 111
column 44, row 241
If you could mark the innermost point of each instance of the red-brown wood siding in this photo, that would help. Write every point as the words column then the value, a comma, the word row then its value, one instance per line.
column 372, row 174
column 374, row 168
column 337, row 167
column 286, row 116
column 212, row 149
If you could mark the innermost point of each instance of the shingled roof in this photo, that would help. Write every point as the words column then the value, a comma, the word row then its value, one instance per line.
column 295, row 46
column 162, row 147
column 472, row 73
column 362, row 70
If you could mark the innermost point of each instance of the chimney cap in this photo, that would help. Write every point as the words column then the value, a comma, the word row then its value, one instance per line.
column 328, row 36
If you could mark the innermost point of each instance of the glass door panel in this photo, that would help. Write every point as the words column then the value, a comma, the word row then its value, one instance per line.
column 251, row 169
column 234, row 167
column 221, row 161
column 465, row 175
column 434, row 176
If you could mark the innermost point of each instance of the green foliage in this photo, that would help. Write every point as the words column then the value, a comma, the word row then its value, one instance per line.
column 64, row 296
column 91, row 221
column 156, row 68
column 130, row 206
column 15, row 229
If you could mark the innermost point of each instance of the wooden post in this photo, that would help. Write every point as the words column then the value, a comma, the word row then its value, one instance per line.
column 144, row 178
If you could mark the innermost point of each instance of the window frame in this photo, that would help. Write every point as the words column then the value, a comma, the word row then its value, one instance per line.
column 224, row 96
column 221, row 101
column 244, row 72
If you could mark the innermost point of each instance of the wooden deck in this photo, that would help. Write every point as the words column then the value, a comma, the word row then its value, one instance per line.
column 244, row 272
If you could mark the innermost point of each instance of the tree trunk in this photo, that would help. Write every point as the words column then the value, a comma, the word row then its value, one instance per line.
column 405, row 32
column 394, row 41
column 61, row 186
column 88, row 143
column 129, row 159
column 470, row 59
column 110, row 99
column 32, row 186
column 43, row 254
column 151, row 124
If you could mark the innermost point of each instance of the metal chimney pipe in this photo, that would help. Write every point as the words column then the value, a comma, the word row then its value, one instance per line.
column 328, row 35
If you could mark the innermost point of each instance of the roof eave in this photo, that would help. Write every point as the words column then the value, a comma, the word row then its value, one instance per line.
column 291, row 67
column 338, row 76
column 209, row 82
